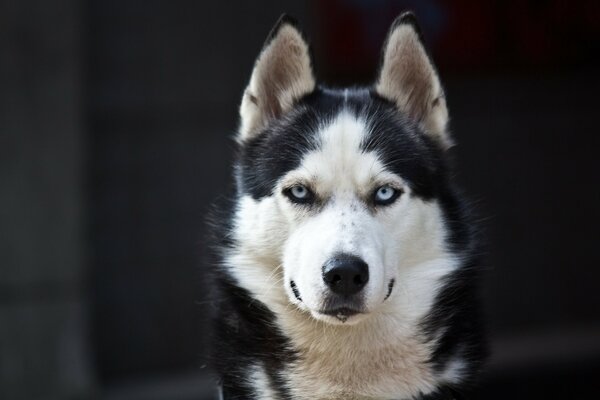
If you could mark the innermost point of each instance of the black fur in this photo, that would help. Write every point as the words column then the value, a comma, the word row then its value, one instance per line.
column 246, row 332
column 280, row 147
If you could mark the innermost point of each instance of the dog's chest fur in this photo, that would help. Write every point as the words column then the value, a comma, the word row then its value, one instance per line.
column 381, row 360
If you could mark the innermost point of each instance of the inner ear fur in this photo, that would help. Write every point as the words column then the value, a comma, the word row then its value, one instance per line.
column 408, row 78
column 282, row 74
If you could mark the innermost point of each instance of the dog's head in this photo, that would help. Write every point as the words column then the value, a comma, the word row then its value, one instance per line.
column 342, row 191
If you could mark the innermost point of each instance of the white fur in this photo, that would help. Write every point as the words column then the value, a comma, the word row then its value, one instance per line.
column 259, row 380
column 454, row 371
column 341, row 175
column 373, row 356
column 261, row 231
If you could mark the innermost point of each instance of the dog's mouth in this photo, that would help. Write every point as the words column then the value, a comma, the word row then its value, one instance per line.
column 340, row 308
column 334, row 307
column 341, row 314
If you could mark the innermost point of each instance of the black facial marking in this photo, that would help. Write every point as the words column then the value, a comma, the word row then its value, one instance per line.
column 402, row 147
column 295, row 290
column 390, row 288
column 398, row 142
column 264, row 159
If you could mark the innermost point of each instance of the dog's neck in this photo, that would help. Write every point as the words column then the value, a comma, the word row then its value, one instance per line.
column 381, row 357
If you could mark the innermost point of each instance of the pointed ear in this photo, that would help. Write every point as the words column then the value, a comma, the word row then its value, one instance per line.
column 282, row 74
column 408, row 78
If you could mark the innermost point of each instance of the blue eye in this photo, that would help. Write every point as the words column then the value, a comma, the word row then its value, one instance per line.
column 299, row 194
column 386, row 195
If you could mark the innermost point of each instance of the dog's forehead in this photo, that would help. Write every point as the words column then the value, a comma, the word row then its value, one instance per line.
column 339, row 159
column 331, row 131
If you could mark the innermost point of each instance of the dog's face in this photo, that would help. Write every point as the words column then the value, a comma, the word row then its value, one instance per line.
column 339, row 189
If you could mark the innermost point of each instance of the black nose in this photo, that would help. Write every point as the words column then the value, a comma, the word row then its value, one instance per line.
column 345, row 274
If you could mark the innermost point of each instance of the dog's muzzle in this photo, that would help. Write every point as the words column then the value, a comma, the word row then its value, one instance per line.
column 345, row 275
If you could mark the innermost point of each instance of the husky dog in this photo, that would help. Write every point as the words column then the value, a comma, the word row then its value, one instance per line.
column 348, row 263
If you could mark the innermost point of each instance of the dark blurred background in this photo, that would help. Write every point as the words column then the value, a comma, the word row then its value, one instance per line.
column 116, row 120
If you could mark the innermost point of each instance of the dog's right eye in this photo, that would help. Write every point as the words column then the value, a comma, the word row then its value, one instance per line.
column 299, row 194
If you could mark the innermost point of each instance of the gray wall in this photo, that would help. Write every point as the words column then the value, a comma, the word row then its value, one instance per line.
column 43, row 351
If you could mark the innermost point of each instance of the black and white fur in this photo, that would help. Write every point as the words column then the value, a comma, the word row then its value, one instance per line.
column 325, row 174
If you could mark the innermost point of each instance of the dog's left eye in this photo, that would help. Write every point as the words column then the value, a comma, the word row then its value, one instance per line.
column 386, row 195
column 299, row 194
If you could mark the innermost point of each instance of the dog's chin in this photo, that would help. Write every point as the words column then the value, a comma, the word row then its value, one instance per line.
column 344, row 317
